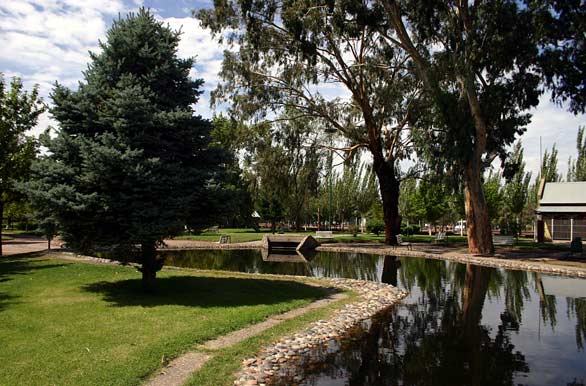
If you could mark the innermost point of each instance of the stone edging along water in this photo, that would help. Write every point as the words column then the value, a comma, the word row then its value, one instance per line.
column 484, row 261
column 277, row 360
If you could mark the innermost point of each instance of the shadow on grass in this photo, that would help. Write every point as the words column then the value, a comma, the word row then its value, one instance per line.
column 193, row 291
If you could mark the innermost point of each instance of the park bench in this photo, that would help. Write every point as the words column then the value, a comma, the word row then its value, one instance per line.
column 401, row 243
column 440, row 237
column 503, row 240
column 324, row 235
column 225, row 239
column 213, row 229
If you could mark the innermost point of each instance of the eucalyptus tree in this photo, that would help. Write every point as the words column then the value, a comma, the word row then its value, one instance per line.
column 324, row 60
column 475, row 61
column 19, row 112
column 562, row 54
column 131, row 163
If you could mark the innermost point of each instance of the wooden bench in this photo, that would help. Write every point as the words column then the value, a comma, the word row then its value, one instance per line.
column 324, row 235
column 401, row 243
column 503, row 240
column 213, row 229
column 440, row 238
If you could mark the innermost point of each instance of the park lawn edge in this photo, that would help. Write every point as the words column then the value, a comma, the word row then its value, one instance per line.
column 224, row 364
column 221, row 369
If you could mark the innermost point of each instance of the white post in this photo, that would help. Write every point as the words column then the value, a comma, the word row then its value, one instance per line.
column 571, row 229
column 552, row 229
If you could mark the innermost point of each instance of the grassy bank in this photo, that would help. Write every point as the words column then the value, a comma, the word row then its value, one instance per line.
column 80, row 324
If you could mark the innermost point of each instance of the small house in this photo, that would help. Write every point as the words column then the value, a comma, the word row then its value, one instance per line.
column 561, row 211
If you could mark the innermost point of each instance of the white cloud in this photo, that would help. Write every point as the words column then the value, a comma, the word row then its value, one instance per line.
column 43, row 41
column 197, row 42
column 554, row 124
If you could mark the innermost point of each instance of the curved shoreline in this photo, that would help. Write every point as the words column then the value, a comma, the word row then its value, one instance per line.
column 282, row 358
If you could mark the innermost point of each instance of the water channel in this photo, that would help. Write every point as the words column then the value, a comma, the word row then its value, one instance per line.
column 460, row 325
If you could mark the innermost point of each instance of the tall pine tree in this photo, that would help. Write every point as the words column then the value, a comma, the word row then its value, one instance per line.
column 131, row 163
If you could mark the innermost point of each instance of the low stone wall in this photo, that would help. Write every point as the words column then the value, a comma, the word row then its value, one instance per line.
column 172, row 245
column 495, row 262
column 281, row 359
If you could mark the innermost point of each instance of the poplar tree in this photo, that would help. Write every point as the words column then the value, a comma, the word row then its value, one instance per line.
column 131, row 163
column 577, row 167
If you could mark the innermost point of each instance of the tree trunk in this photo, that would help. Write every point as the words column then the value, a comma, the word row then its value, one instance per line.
column 149, row 265
column 389, row 190
column 477, row 220
column 390, row 270
column 473, row 295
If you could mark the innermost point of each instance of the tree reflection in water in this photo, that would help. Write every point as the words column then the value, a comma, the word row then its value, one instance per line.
column 435, row 341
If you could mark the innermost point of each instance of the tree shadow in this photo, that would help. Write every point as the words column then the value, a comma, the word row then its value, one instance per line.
column 193, row 291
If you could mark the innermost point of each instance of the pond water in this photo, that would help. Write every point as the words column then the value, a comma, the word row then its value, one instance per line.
column 460, row 325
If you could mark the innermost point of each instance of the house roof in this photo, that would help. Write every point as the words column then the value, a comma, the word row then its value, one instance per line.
column 561, row 209
column 564, row 193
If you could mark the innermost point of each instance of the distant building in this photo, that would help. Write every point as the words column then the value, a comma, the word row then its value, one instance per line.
column 561, row 212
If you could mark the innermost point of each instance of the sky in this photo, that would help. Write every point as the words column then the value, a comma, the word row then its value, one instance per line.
column 44, row 41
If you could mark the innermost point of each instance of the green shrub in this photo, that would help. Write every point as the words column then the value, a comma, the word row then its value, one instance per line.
column 375, row 226
column 409, row 230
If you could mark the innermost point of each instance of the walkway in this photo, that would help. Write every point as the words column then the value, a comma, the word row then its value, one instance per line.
column 24, row 244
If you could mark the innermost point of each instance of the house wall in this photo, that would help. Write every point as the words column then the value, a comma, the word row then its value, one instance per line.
column 564, row 226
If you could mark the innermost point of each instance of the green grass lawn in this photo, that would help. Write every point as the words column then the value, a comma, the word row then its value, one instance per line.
column 6, row 237
column 67, row 323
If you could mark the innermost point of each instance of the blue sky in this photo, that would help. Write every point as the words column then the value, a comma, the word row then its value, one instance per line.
column 43, row 41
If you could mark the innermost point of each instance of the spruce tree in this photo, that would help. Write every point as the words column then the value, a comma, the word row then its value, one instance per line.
column 131, row 163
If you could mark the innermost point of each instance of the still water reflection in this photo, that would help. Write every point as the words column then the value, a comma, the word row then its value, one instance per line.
column 460, row 325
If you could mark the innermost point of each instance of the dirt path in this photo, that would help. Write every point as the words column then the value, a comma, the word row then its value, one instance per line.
column 25, row 244
column 178, row 371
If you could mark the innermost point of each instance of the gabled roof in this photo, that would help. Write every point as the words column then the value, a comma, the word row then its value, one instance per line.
column 564, row 193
